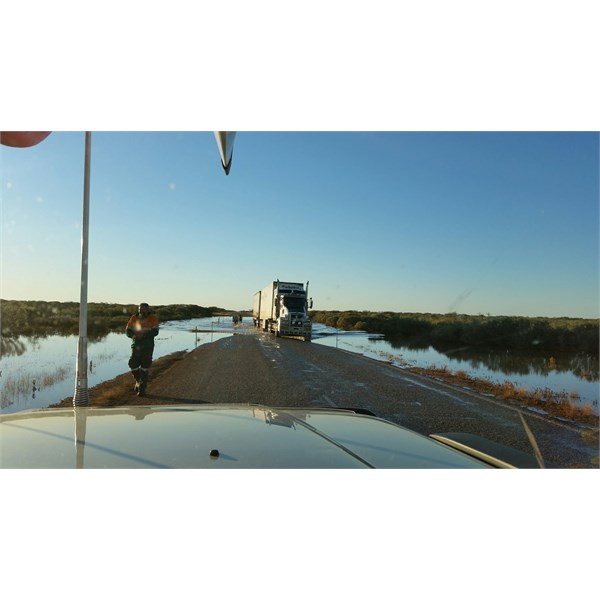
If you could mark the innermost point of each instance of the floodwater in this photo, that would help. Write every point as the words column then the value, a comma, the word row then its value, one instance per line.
column 37, row 372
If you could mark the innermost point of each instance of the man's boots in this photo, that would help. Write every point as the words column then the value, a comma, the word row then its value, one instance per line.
column 143, row 381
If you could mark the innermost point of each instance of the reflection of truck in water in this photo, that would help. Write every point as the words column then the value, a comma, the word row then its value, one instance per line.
column 282, row 308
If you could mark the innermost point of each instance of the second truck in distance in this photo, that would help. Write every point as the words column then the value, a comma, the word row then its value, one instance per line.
column 282, row 308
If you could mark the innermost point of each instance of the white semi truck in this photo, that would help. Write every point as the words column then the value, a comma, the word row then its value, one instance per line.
column 282, row 308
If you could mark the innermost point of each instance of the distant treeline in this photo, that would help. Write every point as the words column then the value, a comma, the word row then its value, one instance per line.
column 31, row 317
column 444, row 331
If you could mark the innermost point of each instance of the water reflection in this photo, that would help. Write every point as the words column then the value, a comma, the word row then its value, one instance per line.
column 12, row 346
column 80, row 429
column 521, row 364
column 582, row 365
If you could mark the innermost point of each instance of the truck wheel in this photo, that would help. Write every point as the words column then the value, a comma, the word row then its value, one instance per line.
column 307, row 338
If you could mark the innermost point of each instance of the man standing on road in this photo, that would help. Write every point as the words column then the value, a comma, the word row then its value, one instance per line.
column 142, row 328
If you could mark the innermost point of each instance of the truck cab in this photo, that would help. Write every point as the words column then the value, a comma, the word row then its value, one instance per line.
column 292, row 316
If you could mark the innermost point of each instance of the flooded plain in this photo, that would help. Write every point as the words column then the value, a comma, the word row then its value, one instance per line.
column 37, row 372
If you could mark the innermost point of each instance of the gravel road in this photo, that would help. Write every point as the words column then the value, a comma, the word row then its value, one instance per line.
column 260, row 368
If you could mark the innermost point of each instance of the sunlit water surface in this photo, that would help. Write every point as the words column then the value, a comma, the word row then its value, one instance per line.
column 37, row 372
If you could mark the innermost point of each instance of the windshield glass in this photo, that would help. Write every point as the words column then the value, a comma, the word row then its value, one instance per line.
column 454, row 273
column 294, row 303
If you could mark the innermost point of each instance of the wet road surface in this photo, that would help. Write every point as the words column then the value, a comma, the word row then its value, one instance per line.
column 260, row 368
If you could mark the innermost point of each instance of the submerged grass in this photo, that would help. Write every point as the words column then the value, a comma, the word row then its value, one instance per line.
column 21, row 385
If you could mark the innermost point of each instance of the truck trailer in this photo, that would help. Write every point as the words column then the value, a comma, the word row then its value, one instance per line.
column 282, row 308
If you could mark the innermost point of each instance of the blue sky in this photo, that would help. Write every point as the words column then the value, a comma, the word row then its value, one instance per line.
column 476, row 223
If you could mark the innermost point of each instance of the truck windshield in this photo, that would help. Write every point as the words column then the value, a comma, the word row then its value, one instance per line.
column 296, row 303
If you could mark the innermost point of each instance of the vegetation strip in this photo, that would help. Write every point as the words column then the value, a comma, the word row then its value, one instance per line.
column 454, row 330
column 32, row 317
